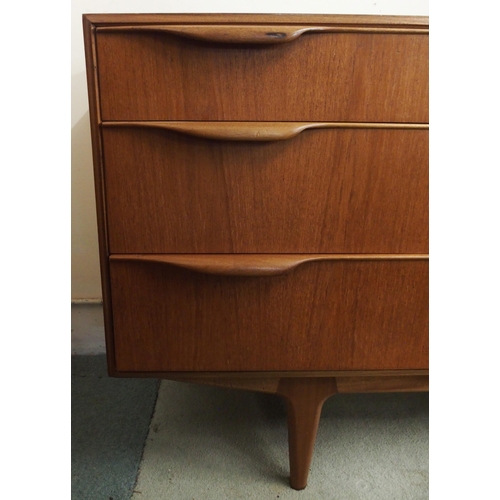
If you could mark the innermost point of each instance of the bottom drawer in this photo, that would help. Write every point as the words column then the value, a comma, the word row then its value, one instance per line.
column 321, row 315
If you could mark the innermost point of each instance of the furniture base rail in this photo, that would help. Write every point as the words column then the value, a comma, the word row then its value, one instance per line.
column 304, row 397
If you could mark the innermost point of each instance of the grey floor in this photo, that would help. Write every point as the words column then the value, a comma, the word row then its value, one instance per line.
column 110, row 420
column 141, row 440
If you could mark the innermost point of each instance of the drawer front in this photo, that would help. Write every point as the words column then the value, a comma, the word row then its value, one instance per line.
column 326, row 191
column 319, row 77
column 331, row 315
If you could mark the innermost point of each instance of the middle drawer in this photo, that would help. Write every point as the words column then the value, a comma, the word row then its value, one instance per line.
column 333, row 190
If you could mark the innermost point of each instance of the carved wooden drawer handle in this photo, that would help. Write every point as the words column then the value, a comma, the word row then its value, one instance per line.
column 254, row 131
column 256, row 34
column 252, row 264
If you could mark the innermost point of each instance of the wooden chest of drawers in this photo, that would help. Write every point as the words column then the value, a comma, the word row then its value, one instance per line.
column 262, row 197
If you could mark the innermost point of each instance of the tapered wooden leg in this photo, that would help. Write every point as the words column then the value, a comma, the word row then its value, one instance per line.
column 304, row 398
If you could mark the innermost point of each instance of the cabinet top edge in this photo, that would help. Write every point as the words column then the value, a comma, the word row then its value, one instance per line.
column 334, row 19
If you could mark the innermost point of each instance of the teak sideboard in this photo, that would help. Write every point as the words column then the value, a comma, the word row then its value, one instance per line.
column 262, row 200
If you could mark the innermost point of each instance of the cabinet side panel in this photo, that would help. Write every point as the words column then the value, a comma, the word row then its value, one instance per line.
column 94, row 112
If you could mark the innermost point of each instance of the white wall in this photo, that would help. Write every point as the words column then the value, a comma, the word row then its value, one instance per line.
column 85, row 262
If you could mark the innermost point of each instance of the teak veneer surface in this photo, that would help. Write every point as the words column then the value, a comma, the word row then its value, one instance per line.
column 295, row 267
column 354, row 21
column 253, row 264
column 343, row 315
column 345, row 384
column 330, row 190
column 317, row 77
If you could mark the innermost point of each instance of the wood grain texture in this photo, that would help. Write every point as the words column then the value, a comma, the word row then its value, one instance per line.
column 347, row 315
column 345, row 384
column 254, row 34
column 304, row 400
column 169, row 375
column 354, row 21
column 99, row 185
column 416, row 383
column 257, row 384
column 295, row 267
column 335, row 77
column 325, row 191
column 252, row 264
column 256, row 131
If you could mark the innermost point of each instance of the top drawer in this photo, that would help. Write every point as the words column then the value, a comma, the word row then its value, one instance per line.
column 160, row 73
